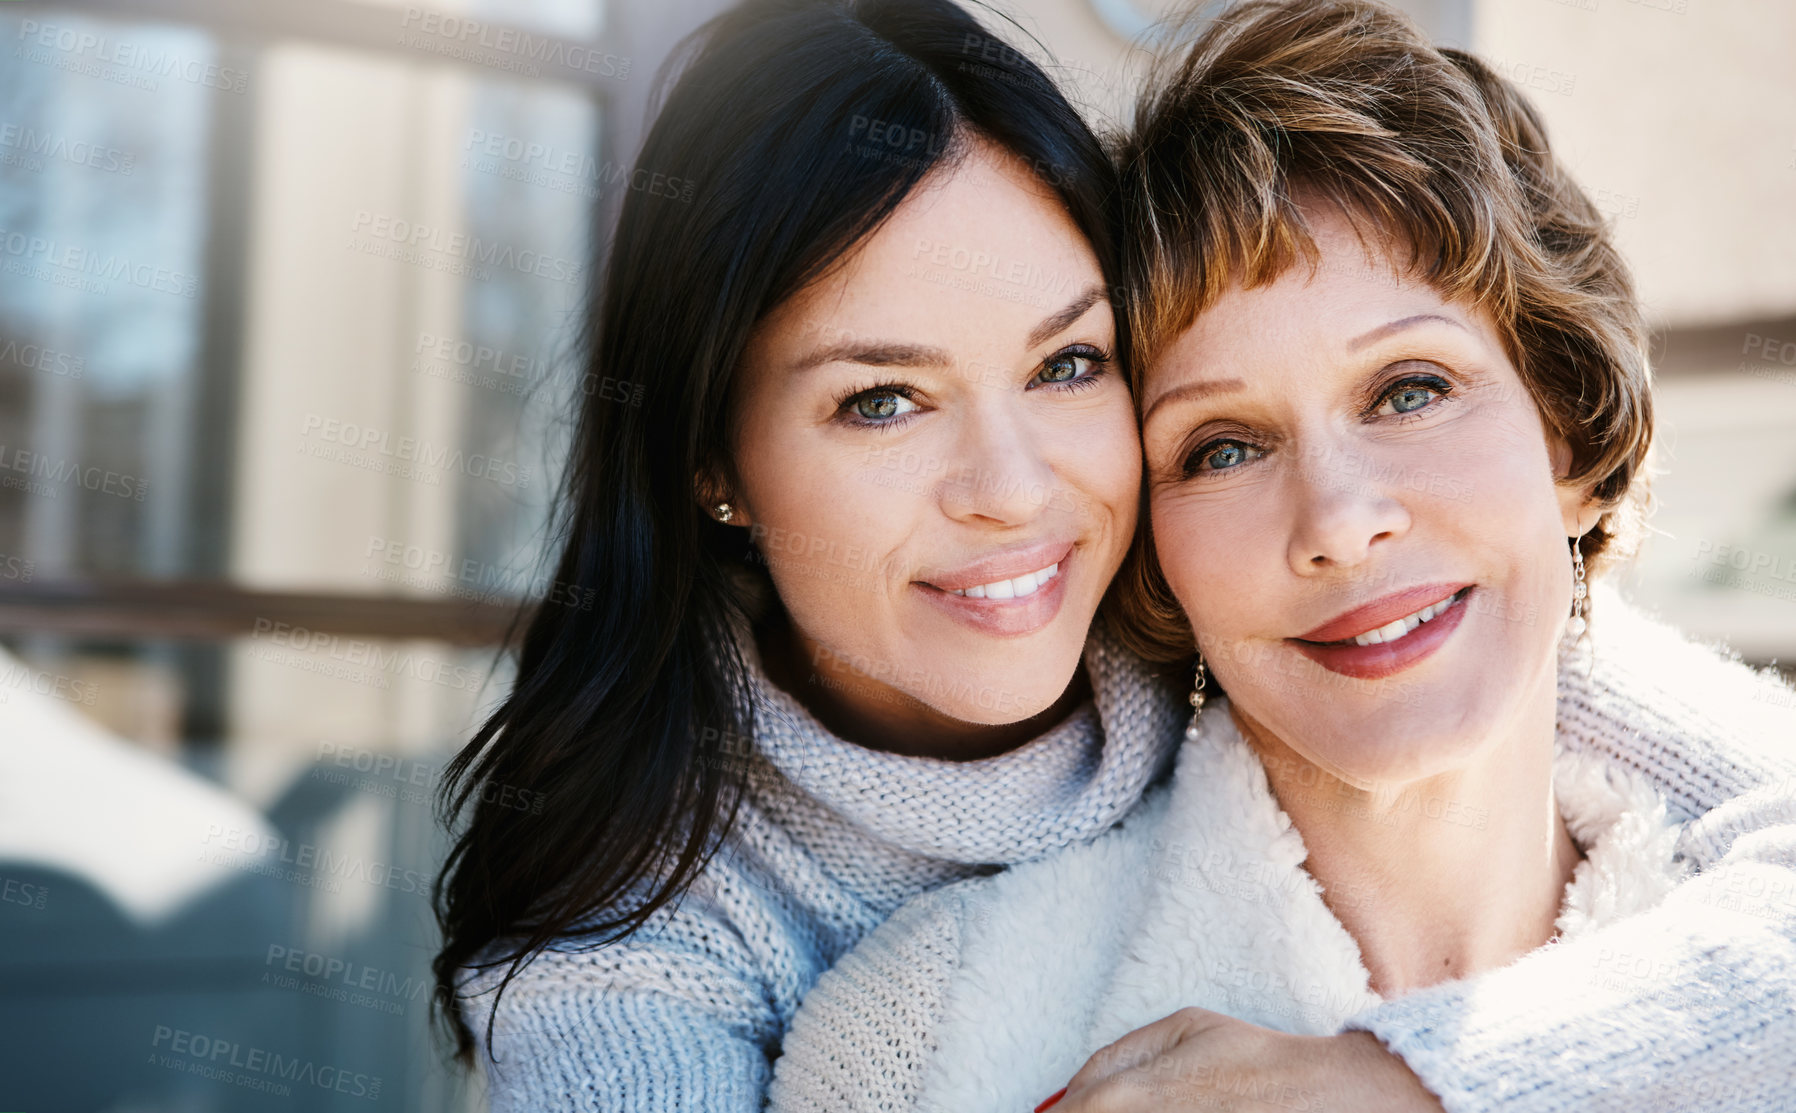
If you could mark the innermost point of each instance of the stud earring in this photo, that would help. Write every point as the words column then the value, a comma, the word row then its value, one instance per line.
column 723, row 512
column 1197, row 701
column 1579, row 622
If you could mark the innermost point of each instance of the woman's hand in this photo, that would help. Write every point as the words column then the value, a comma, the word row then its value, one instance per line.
column 1197, row 1059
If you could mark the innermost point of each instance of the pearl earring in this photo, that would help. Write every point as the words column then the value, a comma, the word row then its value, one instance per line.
column 723, row 512
column 1197, row 701
column 1579, row 622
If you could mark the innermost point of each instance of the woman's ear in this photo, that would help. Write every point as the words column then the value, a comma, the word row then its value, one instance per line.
column 1559, row 455
column 713, row 495
column 1580, row 511
column 1576, row 506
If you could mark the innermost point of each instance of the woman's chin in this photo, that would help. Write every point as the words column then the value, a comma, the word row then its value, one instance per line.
column 1000, row 697
column 968, row 674
column 1373, row 740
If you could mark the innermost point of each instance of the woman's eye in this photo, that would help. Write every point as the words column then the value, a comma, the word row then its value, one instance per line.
column 1409, row 397
column 1068, row 367
column 1220, row 456
column 1060, row 368
column 881, row 405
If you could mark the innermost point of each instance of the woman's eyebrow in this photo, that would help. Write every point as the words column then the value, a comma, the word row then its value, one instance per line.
column 1192, row 391
column 893, row 353
column 1061, row 321
column 1399, row 325
column 874, row 353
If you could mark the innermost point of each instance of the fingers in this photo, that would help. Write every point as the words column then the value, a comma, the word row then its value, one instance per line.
column 1199, row 1060
column 1136, row 1051
column 1138, row 1048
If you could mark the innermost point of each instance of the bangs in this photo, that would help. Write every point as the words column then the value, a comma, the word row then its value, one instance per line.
column 1271, row 113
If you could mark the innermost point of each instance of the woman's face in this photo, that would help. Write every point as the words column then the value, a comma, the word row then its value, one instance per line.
column 936, row 456
column 1354, row 499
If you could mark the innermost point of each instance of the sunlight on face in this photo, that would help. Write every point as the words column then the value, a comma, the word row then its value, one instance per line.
column 935, row 455
column 1354, row 499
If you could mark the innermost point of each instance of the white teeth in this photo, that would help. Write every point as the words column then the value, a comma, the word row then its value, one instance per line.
column 1391, row 631
column 1394, row 630
column 1026, row 584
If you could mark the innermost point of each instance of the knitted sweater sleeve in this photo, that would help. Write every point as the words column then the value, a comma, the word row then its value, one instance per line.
column 1691, row 1005
column 637, row 1050
column 673, row 1018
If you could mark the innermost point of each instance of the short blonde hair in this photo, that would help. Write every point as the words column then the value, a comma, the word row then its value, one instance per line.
column 1347, row 99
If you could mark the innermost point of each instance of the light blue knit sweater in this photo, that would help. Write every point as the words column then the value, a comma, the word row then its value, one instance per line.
column 688, row 1014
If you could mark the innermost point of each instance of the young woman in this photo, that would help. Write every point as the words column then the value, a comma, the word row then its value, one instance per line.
column 1396, row 403
column 848, row 553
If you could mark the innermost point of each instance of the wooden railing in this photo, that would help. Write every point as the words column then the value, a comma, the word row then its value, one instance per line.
column 208, row 610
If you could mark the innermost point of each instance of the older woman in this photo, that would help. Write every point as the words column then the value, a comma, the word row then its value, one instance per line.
column 1395, row 411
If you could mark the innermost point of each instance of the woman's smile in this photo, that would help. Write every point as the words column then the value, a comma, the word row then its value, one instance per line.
column 1388, row 635
column 1005, row 594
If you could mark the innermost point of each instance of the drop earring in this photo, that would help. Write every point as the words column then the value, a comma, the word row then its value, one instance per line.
column 1579, row 622
column 1197, row 700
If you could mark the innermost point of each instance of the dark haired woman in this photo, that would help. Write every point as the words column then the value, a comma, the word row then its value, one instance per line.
column 848, row 554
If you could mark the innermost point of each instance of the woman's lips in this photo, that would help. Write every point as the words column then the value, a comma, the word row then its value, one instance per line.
column 1340, row 654
column 996, row 614
column 1371, row 616
column 1005, row 564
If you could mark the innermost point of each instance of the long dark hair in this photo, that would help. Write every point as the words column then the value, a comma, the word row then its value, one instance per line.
column 794, row 129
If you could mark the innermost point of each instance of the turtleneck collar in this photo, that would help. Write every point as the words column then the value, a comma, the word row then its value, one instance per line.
column 1068, row 784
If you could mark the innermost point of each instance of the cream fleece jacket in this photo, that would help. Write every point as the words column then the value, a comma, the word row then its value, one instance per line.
column 991, row 993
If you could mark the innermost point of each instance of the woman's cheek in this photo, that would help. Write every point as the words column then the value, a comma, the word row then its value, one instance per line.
column 1183, row 538
column 1501, row 505
column 1111, row 435
column 1098, row 474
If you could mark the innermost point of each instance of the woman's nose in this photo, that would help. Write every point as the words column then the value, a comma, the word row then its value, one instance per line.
column 1343, row 506
column 999, row 471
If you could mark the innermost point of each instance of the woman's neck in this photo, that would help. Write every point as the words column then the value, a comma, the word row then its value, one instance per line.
column 858, row 709
column 1439, row 878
